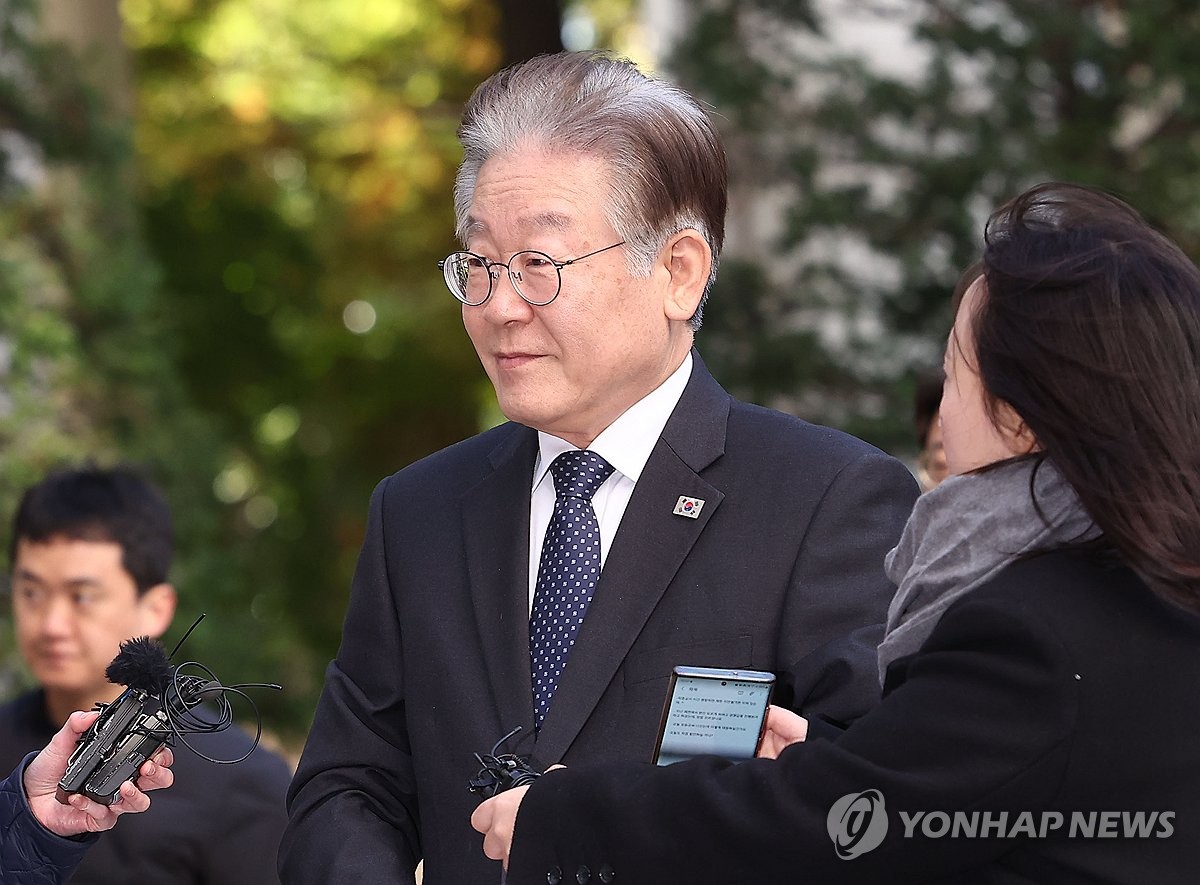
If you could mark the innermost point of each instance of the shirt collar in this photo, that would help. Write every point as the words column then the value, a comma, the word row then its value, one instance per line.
column 626, row 444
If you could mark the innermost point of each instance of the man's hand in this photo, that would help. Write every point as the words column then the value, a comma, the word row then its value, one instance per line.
column 85, row 815
column 496, row 818
column 784, row 728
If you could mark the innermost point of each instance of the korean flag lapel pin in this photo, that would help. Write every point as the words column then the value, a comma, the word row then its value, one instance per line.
column 689, row 507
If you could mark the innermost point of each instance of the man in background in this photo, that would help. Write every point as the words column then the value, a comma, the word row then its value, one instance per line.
column 90, row 553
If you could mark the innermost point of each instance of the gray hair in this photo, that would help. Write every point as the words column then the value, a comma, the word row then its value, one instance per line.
column 654, row 137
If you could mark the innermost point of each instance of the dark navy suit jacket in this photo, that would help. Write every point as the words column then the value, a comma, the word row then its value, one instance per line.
column 782, row 567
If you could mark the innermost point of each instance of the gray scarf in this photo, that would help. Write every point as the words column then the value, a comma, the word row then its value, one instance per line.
column 964, row 532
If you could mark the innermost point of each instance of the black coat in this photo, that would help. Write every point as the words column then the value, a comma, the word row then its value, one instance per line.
column 1063, row 689
column 217, row 825
column 783, row 562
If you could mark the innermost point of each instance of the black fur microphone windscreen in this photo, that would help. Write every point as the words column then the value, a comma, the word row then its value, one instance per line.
column 142, row 664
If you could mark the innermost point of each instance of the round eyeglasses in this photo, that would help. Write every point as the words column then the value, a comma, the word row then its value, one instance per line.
column 535, row 276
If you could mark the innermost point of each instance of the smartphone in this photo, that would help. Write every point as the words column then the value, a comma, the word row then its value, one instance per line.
column 713, row 712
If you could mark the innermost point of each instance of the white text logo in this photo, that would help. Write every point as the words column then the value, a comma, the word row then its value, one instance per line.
column 857, row 823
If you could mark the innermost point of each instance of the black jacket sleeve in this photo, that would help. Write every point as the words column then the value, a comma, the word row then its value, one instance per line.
column 29, row 853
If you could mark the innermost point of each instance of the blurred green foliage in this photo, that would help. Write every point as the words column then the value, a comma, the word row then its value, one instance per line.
column 878, row 171
column 296, row 161
column 237, row 288
column 89, row 348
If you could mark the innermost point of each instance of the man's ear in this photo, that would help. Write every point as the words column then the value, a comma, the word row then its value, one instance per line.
column 687, row 260
column 156, row 609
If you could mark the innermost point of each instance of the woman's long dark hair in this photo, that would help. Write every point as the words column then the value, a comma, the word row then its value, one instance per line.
column 1090, row 330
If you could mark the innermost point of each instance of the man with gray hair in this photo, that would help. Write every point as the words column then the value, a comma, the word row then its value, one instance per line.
column 632, row 516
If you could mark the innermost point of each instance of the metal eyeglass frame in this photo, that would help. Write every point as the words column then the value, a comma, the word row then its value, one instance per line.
column 514, row 277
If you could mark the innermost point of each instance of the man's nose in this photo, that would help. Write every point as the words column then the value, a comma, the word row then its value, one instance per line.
column 57, row 616
column 506, row 304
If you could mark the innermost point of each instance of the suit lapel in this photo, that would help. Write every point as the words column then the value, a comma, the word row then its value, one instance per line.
column 496, row 540
column 647, row 551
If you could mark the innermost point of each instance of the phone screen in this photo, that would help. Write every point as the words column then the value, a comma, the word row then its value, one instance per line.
column 713, row 712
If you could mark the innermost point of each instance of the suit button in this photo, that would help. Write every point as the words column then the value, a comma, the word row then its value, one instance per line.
column 607, row 874
column 554, row 876
column 583, row 875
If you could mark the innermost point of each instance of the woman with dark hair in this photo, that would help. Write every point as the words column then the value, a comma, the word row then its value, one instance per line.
column 1041, row 666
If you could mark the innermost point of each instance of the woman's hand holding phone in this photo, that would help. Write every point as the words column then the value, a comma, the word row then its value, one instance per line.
column 784, row 728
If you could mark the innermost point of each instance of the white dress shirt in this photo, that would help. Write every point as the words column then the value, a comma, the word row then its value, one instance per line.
column 626, row 445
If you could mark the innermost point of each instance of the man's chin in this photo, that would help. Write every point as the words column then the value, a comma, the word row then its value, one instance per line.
column 526, row 410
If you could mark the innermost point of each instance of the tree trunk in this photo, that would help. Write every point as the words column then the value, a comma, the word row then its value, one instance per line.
column 92, row 29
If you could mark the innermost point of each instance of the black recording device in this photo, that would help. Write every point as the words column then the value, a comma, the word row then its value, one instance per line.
column 159, row 706
column 501, row 772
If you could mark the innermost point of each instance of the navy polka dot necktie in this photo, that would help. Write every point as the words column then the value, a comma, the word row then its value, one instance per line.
column 568, row 572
